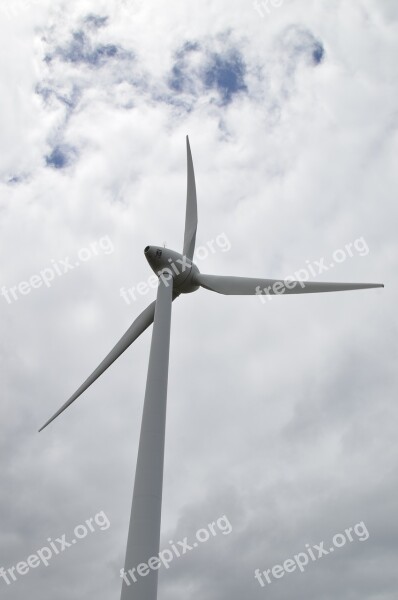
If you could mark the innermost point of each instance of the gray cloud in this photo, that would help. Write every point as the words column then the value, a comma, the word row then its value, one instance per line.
column 281, row 415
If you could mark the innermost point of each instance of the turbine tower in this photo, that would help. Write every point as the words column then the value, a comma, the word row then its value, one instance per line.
column 177, row 275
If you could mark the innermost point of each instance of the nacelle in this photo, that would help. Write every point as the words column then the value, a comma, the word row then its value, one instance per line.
column 180, row 267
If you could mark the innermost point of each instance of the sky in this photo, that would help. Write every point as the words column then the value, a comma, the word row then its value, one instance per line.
column 281, row 425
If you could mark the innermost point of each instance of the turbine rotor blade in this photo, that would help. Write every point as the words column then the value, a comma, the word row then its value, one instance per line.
column 144, row 531
column 140, row 324
column 191, row 215
column 252, row 286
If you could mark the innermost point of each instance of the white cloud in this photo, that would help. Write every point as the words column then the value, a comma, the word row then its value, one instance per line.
column 280, row 415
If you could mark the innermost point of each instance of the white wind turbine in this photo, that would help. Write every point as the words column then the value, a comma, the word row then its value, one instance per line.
column 177, row 275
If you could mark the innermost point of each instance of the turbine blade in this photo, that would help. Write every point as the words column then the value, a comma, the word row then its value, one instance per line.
column 253, row 286
column 191, row 215
column 141, row 323
column 144, row 531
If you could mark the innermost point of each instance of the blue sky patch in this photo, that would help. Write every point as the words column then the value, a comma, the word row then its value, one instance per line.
column 198, row 69
column 318, row 53
column 227, row 75
column 80, row 50
column 60, row 157
column 182, row 75
column 301, row 43
column 96, row 21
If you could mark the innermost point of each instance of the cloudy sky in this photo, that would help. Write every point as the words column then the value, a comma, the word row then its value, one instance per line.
column 282, row 415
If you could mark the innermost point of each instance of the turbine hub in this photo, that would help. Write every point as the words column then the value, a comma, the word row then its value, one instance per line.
column 180, row 267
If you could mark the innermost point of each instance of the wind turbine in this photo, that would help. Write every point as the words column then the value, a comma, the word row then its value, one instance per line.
column 177, row 275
